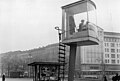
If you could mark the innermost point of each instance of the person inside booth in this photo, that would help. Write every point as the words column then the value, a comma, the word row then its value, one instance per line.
column 81, row 25
column 85, row 27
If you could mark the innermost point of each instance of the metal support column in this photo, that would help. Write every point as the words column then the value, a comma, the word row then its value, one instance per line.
column 72, row 58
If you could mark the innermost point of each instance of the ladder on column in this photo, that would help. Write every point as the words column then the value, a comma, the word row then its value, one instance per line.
column 61, row 59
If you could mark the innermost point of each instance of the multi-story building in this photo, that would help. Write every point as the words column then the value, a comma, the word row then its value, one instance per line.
column 112, row 52
column 112, row 48
column 100, row 59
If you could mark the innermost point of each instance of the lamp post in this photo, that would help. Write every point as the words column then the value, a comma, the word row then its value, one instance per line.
column 103, row 67
column 103, row 70
column 29, row 60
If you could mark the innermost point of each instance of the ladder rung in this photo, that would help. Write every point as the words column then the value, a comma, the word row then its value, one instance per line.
column 61, row 49
column 62, row 45
column 61, row 57
column 61, row 53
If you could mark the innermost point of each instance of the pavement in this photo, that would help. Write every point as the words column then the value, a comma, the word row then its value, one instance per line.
column 17, row 79
column 30, row 79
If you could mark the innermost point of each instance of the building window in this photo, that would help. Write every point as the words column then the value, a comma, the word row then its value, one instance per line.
column 112, row 44
column 106, row 49
column 118, row 61
column 117, row 50
column 113, row 61
column 116, row 40
column 118, row 55
column 117, row 45
column 106, row 39
column 110, row 39
column 113, row 50
column 112, row 55
column 107, row 44
column 106, row 60
column 106, row 55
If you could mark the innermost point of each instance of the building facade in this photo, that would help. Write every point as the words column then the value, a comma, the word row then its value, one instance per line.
column 99, row 59
column 112, row 48
column 112, row 52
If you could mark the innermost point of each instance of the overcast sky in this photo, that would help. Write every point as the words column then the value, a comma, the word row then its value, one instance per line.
column 27, row 24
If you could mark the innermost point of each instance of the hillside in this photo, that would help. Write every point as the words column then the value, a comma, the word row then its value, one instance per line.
column 18, row 60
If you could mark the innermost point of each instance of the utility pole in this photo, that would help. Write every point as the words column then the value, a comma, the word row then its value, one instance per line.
column 101, row 60
column 103, row 67
column 29, row 59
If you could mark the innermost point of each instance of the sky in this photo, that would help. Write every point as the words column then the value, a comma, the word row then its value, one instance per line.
column 28, row 24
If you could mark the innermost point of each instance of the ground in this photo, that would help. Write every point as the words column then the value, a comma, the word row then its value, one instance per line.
column 28, row 79
column 17, row 79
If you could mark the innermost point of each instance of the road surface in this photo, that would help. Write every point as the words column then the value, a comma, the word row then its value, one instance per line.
column 17, row 79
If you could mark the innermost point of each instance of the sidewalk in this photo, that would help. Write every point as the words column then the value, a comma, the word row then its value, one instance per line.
column 17, row 79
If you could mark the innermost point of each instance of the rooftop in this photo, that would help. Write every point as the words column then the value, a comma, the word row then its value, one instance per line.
column 45, row 63
column 112, row 33
column 78, row 2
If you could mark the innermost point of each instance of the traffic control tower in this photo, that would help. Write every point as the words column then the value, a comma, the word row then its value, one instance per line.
column 78, row 28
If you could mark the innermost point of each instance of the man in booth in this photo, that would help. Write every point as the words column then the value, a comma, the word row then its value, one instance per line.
column 81, row 25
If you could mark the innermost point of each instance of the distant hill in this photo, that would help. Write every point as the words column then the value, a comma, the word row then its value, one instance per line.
column 17, row 60
column 47, row 53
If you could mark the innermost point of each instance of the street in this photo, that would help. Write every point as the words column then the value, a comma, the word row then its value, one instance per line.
column 17, row 79
column 28, row 79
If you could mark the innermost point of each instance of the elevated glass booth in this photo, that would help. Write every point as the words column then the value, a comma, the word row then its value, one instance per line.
column 79, row 23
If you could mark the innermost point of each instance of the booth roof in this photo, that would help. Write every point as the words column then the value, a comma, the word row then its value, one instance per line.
column 78, row 2
column 46, row 63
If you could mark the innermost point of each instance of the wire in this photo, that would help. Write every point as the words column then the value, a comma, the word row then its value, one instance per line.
column 68, row 30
